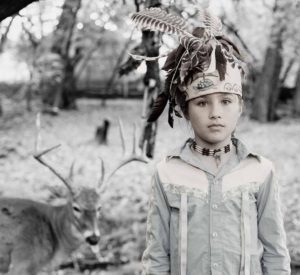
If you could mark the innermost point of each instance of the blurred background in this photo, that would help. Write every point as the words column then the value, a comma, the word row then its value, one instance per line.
column 69, row 59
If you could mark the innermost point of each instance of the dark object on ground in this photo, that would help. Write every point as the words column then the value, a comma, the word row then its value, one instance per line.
column 102, row 132
column 91, row 264
column 286, row 94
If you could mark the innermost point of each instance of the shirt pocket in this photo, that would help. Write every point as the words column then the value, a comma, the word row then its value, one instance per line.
column 174, row 203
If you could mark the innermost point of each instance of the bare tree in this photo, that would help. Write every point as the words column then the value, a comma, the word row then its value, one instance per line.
column 297, row 95
column 64, row 94
column 267, row 86
column 151, row 45
column 148, row 47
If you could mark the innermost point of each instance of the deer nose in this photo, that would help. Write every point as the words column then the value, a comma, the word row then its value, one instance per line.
column 92, row 240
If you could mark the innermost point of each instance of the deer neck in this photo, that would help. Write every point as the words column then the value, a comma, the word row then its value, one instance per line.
column 64, row 227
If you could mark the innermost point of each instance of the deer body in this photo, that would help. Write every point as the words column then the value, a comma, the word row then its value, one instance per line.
column 34, row 235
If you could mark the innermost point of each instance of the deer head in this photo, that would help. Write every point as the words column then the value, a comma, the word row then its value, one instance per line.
column 85, row 203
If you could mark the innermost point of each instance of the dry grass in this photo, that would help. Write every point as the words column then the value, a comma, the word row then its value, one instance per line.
column 20, row 175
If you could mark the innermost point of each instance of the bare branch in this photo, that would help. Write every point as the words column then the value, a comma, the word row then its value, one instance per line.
column 121, row 129
column 101, row 179
column 4, row 35
column 71, row 172
column 232, row 29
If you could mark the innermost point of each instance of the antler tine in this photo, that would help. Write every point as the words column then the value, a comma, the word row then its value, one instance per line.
column 101, row 179
column 38, row 155
column 121, row 129
column 133, row 157
column 71, row 172
column 134, row 139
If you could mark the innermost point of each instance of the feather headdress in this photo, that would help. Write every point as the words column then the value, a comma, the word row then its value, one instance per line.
column 191, row 57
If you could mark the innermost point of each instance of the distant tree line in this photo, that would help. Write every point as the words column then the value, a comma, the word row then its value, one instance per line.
column 265, row 86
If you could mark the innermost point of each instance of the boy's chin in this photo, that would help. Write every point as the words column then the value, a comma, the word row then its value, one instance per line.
column 217, row 141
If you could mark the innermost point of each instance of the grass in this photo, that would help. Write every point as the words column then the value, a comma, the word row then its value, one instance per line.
column 21, row 175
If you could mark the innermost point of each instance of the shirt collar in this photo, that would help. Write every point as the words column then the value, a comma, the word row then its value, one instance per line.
column 186, row 153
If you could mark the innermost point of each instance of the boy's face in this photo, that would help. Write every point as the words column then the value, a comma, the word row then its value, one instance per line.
column 214, row 118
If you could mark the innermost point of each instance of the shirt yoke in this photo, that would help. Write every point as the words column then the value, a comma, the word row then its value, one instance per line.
column 250, row 170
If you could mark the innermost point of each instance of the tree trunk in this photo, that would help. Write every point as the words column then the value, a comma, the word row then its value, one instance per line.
column 11, row 7
column 64, row 97
column 150, row 41
column 267, row 86
column 1, row 109
column 297, row 95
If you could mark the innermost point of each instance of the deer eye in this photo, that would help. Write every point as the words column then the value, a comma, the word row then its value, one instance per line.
column 76, row 209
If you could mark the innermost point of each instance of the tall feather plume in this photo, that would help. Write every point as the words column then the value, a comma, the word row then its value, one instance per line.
column 158, row 107
column 192, row 56
column 212, row 23
column 221, row 62
column 155, row 19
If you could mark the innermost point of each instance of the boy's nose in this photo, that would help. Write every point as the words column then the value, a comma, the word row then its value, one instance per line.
column 214, row 112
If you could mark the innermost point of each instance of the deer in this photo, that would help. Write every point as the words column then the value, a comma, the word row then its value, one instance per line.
column 36, row 236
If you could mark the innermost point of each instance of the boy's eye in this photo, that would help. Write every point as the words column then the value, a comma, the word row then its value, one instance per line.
column 201, row 103
column 226, row 101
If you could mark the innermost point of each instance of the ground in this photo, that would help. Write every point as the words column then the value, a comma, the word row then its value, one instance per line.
column 127, row 195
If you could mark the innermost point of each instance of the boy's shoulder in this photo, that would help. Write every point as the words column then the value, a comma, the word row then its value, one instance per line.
column 176, row 171
column 259, row 161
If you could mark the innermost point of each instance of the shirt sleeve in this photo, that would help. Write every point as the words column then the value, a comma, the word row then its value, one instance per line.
column 155, row 260
column 276, row 259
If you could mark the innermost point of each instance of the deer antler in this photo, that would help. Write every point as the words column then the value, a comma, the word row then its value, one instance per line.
column 38, row 155
column 134, row 156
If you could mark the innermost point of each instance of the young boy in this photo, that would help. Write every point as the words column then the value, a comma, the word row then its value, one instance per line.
column 214, row 205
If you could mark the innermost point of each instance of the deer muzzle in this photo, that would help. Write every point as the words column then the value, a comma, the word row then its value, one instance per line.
column 92, row 239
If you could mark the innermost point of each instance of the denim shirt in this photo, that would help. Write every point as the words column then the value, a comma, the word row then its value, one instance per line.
column 229, row 223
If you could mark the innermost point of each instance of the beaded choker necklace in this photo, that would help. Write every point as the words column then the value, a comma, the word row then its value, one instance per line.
column 210, row 152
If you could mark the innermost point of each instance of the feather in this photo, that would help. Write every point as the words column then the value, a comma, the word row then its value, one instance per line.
column 158, row 107
column 170, row 61
column 173, row 58
column 156, row 19
column 212, row 23
column 221, row 62
column 146, row 58
column 170, row 115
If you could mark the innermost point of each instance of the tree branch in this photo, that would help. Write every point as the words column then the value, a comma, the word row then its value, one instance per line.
column 4, row 36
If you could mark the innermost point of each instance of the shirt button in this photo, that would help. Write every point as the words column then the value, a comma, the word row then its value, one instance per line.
column 215, row 265
column 214, row 206
column 215, row 234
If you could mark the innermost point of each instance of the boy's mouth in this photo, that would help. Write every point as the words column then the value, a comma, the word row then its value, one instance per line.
column 216, row 126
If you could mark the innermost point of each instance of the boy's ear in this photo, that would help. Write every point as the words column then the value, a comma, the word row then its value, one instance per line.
column 241, row 103
column 185, row 112
column 186, row 115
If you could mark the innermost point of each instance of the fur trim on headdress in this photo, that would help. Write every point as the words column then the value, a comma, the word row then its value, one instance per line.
column 191, row 57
